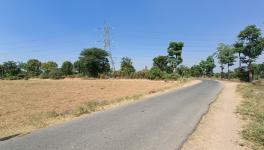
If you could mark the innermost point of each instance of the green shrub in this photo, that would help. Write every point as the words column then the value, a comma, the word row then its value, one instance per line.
column 55, row 74
column 103, row 76
column 171, row 76
column 155, row 73
column 44, row 75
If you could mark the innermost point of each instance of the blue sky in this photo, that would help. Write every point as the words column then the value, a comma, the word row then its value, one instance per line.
column 141, row 29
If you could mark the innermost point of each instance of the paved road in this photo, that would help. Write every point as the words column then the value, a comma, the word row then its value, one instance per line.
column 159, row 123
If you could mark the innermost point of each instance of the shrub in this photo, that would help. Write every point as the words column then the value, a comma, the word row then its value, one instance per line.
column 155, row 73
column 241, row 74
column 103, row 76
column 171, row 76
column 44, row 75
column 56, row 74
column 143, row 74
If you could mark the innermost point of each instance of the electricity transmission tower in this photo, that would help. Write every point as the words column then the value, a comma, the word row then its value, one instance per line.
column 107, row 45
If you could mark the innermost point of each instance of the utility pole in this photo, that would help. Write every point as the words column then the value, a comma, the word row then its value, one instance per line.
column 107, row 45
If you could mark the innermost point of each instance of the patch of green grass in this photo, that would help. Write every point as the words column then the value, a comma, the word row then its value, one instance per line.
column 88, row 107
column 39, row 120
column 252, row 109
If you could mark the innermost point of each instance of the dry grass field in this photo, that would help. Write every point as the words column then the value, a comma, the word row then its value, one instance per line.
column 32, row 104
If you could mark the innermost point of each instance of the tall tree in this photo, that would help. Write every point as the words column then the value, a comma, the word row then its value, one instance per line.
column 221, row 56
column 210, row 65
column 203, row 67
column 33, row 67
column 67, row 68
column 231, row 58
column 175, row 54
column 95, row 61
column 239, row 49
column 207, row 66
column 253, row 45
column 226, row 55
column 127, row 66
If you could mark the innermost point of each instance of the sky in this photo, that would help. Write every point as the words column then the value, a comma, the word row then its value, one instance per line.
column 58, row 30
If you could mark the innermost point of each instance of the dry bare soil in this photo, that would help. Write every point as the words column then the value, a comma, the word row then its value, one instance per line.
column 33, row 104
column 220, row 127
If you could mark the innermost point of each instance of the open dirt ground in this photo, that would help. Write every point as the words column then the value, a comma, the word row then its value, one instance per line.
column 22, row 103
column 219, row 129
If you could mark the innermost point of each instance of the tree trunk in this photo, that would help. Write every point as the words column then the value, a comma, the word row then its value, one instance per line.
column 239, row 60
column 222, row 71
column 228, row 71
column 250, row 74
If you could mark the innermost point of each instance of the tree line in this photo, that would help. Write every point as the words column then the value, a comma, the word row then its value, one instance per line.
column 94, row 62
column 248, row 47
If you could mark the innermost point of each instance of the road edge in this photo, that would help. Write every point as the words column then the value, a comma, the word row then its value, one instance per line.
column 202, row 116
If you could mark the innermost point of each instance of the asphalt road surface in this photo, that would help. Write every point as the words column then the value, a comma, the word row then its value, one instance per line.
column 159, row 123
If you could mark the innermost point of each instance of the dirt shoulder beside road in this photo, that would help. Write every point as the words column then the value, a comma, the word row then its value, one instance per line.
column 219, row 128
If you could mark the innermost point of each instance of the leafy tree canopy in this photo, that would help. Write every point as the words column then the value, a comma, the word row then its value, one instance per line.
column 127, row 66
column 175, row 54
column 49, row 66
column 162, row 63
column 94, row 61
column 33, row 67
column 10, row 68
column 253, row 43
column 67, row 68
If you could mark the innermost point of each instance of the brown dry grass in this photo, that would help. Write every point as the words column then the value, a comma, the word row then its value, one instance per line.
column 28, row 105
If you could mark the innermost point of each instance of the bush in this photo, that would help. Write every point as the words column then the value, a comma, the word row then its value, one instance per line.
column 56, row 74
column 103, row 76
column 22, row 75
column 155, row 73
column 143, row 74
column 44, row 75
column 241, row 74
column 171, row 76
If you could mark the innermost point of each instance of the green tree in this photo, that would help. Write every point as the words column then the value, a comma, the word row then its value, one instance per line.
column 238, row 48
column 1, row 71
column 210, row 65
column 226, row 55
column 207, row 66
column 253, row 45
column 162, row 63
column 203, row 66
column 95, row 61
column 258, row 71
column 127, row 66
column 11, row 69
column 67, row 68
column 221, row 56
column 49, row 66
column 78, row 67
column 175, row 54
column 155, row 73
column 196, row 71
column 33, row 67
column 183, row 71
